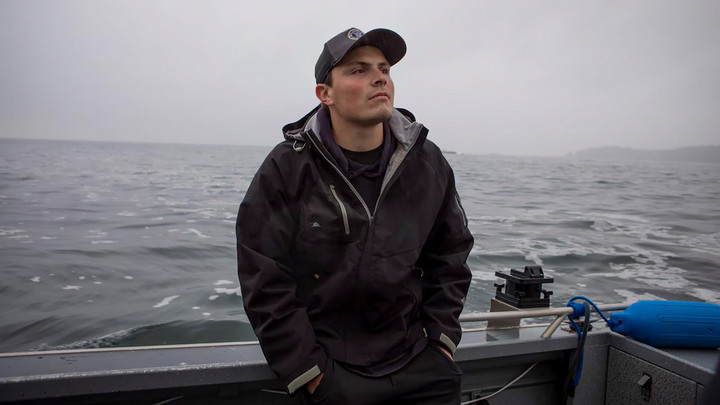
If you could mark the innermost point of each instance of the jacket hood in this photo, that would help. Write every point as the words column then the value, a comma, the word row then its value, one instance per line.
column 402, row 124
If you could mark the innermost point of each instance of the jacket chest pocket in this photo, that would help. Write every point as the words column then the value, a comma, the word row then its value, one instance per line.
column 328, row 217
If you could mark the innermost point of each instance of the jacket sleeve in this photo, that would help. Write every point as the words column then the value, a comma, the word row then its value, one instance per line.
column 446, row 276
column 265, row 231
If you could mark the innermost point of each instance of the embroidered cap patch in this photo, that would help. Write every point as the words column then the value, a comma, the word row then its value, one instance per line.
column 354, row 34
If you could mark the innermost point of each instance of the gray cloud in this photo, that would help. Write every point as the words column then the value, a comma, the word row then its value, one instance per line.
column 486, row 77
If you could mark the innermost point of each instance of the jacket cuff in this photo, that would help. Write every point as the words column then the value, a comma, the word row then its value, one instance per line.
column 303, row 379
column 442, row 339
column 448, row 343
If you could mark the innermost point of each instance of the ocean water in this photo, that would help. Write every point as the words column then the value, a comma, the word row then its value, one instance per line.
column 120, row 244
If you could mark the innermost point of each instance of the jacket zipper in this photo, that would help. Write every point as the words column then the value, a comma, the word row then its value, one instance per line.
column 391, row 179
column 370, row 215
column 345, row 179
column 346, row 223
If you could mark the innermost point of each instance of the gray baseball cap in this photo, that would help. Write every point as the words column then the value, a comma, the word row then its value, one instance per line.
column 390, row 44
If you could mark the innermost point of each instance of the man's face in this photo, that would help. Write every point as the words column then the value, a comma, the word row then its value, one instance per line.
column 362, row 92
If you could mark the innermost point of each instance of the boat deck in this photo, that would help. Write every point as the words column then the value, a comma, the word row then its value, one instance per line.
column 237, row 372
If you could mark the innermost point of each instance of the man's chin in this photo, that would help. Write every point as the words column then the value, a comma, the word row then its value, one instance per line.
column 374, row 118
column 375, row 121
column 382, row 116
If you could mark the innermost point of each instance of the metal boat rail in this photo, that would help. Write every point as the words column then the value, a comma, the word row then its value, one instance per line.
column 533, row 313
column 225, row 373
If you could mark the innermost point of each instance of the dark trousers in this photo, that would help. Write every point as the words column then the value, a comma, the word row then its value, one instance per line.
column 430, row 378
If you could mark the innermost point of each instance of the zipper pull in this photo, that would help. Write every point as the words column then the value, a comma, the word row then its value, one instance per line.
column 346, row 222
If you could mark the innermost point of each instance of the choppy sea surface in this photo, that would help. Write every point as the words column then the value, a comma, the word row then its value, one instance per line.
column 120, row 244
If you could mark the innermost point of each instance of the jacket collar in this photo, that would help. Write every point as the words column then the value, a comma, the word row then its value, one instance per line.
column 403, row 126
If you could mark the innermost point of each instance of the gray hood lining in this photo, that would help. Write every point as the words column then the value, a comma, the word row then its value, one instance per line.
column 405, row 131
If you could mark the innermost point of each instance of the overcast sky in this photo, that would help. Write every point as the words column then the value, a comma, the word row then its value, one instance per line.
column 509, row 77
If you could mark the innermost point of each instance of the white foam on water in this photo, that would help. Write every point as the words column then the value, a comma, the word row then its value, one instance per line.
column 165, row 301
column 229, row 291
column 213, row 297
column 223, row 282
column 581, row 285
column 91, row 343
column 157, row 219
column 622, row 218
column 128, row 277
column 196, row 232
column 48, row 237
column 632, row 296
column 71, row 287
column 603, row 226
column 634, row 227
column 707, row 243
column 102, row 242
column 96, row 233
column 650, row 274
column 535, row 257
column 206, row 213
column 81, row 277
column 532, row 249
column 35, row 279
column 126, row 214
column 705, row 295
column 484, row 275
column 207, row 313
column 195, row 308
column 502, row 252
column 97, row 282
column 649, row 266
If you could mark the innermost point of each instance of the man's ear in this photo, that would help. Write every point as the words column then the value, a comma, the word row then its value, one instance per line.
column 323, row 93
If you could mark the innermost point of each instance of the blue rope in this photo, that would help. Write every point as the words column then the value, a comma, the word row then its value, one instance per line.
column 579, row 310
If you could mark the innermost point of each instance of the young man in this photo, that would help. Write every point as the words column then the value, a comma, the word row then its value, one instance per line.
column 352, row 242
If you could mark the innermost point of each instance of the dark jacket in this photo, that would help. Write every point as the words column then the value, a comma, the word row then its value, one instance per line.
column 323, row 277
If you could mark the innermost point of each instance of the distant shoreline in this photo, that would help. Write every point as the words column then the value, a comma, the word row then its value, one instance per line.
column 697, row 154
column 700, row 154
